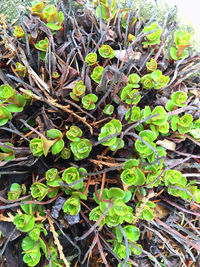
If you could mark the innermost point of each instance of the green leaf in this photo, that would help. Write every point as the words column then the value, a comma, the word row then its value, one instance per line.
column 54, row 133
column 57, row 147
column 53, row 26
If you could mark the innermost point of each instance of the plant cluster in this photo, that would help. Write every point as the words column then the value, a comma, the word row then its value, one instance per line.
column 101, row 129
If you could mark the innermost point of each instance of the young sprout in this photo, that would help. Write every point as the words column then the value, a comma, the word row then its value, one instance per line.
column 108, row 109
column 154, row 37
column 31, row 250
column 177, row 100
column 42, row 45
column 106, row 11
column 124, row 17
column 130, row 95
column 97, row 73
column 24, row 222
column 181, row 39
column 112, row 127
column 106, row 51
column 91, row 59
column 52, row 177
column 71, row 175
column 16, row 190
column 78, row 91
column 55, row 75
column 135, row 114
column 39, row 191
column 134, row 79
column 65, row 153
column 18, row 32
column 6, row 92
column 72, row 206
column 151, row 65
column 89, row 101
column 81, row 149
column 37, row 8
column 147, row 81
column 161, row 118
column 74, row 133
column 53, row 17
column 21, row 69
column 159, row 79
column 147, row 212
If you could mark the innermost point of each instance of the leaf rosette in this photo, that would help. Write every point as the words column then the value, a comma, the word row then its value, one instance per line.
column 91, row 59
column 39, row 191
column 74, row 133
column 154, row 37
column 112, row 127
column 81, row 149
column 97, row 73
column 72, row 206
column 147, row 81
column 89, row 101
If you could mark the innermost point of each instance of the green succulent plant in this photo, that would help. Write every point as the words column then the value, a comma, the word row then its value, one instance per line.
column 91, row 59
column 71, row 175
column 37, row 7
column 89, row 101
column 178, row 99
column 135, row 114
column 143, row 149
column 81, row 149
column 161, row 117
column 21, row 69
column 132, row 175
column 97, row 73
column 134, row 79
column 74, row 133
column 24, row 222
column 151, row 65
column 182, row 124
column 18, row 32
column 147, row 212
column 43, row 45
column 127, row 94
column 108, row 109
column 181, row 39
column 52, row 177
column 72, row 206
column 78, row 91
column 53, row 17
column 7, row 153
column 147, row 81
column 112, row 127
column 39, row 190
column 154, row 37
column 16, row 190
column 65, row 153
column 159, row 79
column 106, row 51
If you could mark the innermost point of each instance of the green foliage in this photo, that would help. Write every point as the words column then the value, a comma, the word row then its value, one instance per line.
column 106, row 51
column 7, row 153
column 21, row 69
column 151, row 65
column 108, row 109
column 89, row 101
column 74, row 133
column 39, row 191
column 16, row 190
column 65, row 153
column 91, row 59
column 81, row 149
column 53, row 17
column 72, row 206
column 181, row 39
column 130, row 95
column 18, row 32
column 132, row 175
column 52, row 177
column 112, row 127
column 140, row 146
column 147, row 81
column 159, row 79
column 154, row 37
column 97, row 73
column 134, row 79
column 147, row 212
column 24, row 222
column 177, row 100
column 71, row 175
column 78, row 91
column 161, row 117
column 106, row 11
column 43, row 45
column 182, row 124
column 40, row 146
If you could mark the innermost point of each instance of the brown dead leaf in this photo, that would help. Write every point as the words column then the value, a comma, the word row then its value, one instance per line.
column 167, row 144
column 160, row 211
